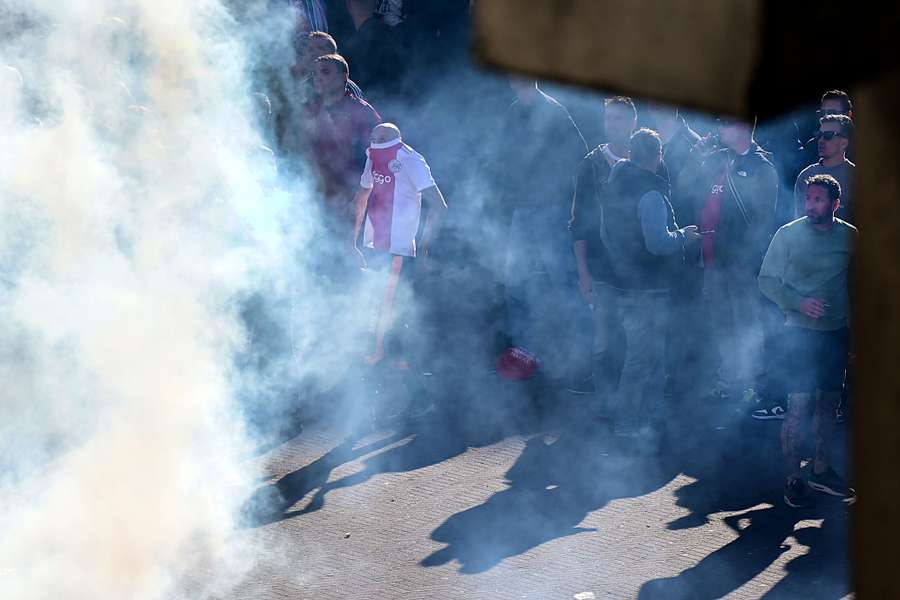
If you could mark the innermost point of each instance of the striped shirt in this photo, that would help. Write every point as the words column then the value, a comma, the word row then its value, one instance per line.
column 313, row 13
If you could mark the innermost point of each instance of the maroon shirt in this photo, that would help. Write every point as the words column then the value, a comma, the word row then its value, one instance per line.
column 709, row 219
column 339, row 137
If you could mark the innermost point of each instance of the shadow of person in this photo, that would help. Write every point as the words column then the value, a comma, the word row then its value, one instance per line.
column 422, row 444
column 735, row 467
column 269, row 503
column 763, row 536
column 823, row 572
column 740, row 469
column 553, row 487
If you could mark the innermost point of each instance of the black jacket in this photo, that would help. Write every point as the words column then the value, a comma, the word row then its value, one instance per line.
column 542, row 148
column 587, row 217
column 747, row 215
column 633, row 267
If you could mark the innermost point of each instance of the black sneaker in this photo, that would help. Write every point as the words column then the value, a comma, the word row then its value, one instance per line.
column 829, row 482
column 767, row 414
column 796, row 494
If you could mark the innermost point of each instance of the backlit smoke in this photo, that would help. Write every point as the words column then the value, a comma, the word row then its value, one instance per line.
column 136, row 205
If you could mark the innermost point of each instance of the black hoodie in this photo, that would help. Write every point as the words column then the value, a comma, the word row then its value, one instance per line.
column 747, row 216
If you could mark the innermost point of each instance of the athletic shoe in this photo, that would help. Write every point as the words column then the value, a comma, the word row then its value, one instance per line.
column 829, row 482
column 767, row 414
column 796, row 494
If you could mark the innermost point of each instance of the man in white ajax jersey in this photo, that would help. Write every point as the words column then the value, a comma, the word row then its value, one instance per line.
column 394, row 184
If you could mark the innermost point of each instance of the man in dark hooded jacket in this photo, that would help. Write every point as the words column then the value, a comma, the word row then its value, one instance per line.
column 645, row 246
column 733, row 196
column 543, row 147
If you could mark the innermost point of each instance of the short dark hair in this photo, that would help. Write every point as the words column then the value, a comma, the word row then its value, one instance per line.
column 828, row 182
column 323, row 35
column 621, row 101
column 301, row 40
column 840, row 95
column 844, row 121
column 644, row 145
column 337, row 59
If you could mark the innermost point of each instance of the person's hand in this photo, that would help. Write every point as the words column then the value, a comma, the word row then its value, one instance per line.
column 812, row 307
column 706, row 145
column 691, row 233
column 358, row 257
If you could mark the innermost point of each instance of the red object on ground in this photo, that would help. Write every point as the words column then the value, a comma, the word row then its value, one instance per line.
column 517, row 363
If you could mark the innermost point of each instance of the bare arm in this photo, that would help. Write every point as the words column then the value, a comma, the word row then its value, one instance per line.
column 435, row 207
column 360, row 202
column 585, row 281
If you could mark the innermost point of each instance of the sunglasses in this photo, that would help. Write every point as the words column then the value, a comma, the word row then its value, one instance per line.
column 827, row 135
column 829, row 111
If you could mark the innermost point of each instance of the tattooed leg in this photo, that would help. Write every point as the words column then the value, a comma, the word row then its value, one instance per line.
column 823, row 428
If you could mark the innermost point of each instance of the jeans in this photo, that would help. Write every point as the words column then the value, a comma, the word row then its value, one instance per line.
column 609, row 341
column 734, row 305
column 638, row 397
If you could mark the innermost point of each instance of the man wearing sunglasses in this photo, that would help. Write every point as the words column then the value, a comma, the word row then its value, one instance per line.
column 832, row 140
column 835, row 102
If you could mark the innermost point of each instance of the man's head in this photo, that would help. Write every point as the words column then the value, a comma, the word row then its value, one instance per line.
column 310, row 45
column 735, row 134
column 823, row 197
column 645, row 149
column 834, row 136
column 836, row 102
column 619, row 119
column 383, row 133
column 330, row 74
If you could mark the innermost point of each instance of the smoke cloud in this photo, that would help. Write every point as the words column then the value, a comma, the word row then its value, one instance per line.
column 139, row 210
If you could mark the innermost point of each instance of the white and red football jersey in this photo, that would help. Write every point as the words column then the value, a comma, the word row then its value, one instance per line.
column 396, row 174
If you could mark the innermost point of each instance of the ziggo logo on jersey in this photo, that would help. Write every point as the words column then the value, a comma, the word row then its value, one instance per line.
column 381, row 179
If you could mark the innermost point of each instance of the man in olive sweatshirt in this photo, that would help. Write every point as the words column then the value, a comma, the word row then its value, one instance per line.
column 805, row 272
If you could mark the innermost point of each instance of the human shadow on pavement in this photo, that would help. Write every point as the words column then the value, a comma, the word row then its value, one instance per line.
column 553, row 486
column 424, row 443
column 745, row 477
column 403, row 446
column 736, row 465
column 764, row 534
column 270, row 503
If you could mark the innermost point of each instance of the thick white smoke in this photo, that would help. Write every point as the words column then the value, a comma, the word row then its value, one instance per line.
column 134, row 208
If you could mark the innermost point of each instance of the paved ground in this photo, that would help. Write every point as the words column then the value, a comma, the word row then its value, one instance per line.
column 501, row 501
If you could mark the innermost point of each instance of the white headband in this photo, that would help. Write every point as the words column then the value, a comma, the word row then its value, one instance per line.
column 374, row 146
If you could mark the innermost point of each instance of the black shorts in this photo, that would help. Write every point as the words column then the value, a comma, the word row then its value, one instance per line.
column 815, row 360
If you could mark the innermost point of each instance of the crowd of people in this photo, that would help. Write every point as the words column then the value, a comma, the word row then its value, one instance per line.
column 626, row 268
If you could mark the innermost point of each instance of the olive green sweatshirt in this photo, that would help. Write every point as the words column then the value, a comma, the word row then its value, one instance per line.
column 805, row 262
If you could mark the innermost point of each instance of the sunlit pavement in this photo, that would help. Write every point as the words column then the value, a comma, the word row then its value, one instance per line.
column 525, row 507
